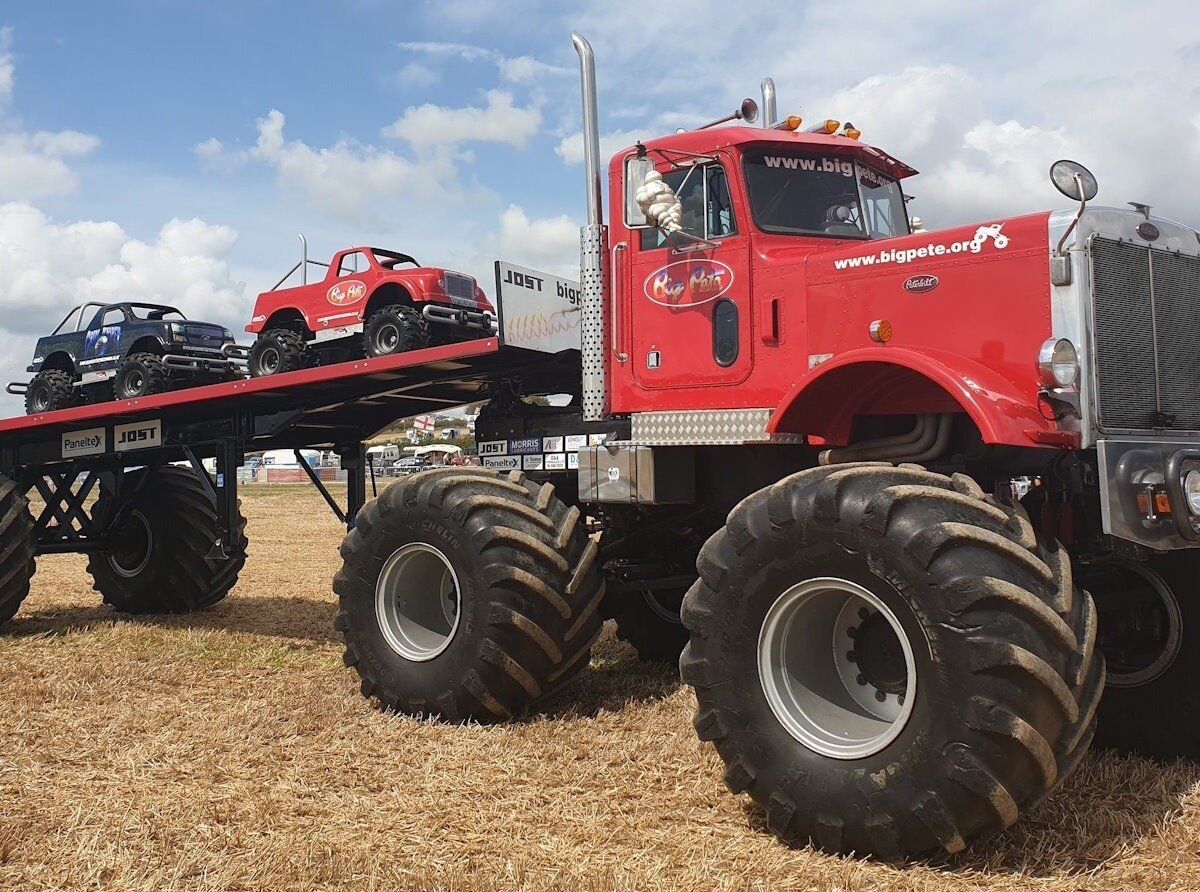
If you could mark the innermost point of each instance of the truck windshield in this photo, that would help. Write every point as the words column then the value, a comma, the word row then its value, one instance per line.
column 823, row 195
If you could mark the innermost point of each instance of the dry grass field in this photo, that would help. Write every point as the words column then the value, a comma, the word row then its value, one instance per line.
column 231, row 750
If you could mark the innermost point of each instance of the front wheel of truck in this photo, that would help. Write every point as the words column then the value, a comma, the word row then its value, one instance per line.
column 887, row 660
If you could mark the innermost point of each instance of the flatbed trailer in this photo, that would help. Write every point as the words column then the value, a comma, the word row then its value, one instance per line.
column 68, row 455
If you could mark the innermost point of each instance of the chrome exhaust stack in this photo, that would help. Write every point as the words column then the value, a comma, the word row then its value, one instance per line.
column 593, row 242
column 769, row 116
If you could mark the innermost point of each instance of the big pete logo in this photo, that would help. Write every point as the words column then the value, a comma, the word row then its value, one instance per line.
column 688, row 283
column 346, row 293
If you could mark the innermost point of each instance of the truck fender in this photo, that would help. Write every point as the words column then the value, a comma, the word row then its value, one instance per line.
column 865, row 382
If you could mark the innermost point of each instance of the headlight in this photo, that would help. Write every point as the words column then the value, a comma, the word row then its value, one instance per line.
column 1058, row 363
column 1191, row 491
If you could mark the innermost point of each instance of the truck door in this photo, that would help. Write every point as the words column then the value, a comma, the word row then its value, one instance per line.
column 689, row 301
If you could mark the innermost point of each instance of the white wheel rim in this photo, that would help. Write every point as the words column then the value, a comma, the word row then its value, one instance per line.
column 418, row 602
column 828, row 696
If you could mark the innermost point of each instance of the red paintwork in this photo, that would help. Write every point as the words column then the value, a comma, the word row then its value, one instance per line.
column 337, row 301
column 249, row 386
column 967, row 343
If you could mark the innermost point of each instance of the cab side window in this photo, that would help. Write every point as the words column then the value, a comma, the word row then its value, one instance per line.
column 707, row 208
column 354, row 262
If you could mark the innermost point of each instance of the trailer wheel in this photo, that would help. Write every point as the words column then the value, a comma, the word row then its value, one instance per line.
column 141, row 374
column 16, row 549
column 467, row 594
column 887, row 660
column 277, row 351
column 49, row 390
column 1149, row 633
column 650, row 622
column 161, row 559
column 395, row 329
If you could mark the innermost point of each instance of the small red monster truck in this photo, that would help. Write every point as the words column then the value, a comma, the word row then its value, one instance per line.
column 371, row 302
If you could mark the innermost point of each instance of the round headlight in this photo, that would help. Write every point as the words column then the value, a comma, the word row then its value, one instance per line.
column 1058, row 363
column 1191, row 491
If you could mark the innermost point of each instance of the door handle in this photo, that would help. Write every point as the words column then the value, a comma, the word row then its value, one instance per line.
column 617, row 342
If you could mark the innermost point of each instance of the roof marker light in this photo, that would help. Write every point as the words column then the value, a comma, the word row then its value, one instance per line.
column 850, row 131
column 827, row 126
column 791, row 122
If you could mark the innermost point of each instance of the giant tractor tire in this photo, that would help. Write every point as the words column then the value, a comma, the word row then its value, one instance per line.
column 467, row 594
column 16, row 549
column 395, row 329
column 162, row 558
column 276, row 351
column 649, row 621
column 887, row 660
column 1149, row 621
column 49, row 390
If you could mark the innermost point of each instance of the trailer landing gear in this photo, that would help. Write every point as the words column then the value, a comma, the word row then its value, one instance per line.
column 973, row 700
column 467, row 594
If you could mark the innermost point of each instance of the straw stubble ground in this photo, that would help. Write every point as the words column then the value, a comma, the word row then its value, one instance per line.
column 231, row 750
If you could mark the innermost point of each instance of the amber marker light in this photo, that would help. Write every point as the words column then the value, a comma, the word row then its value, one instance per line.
column 881, row 331
column 827, row 126
column 850, row 131
column 791, row 122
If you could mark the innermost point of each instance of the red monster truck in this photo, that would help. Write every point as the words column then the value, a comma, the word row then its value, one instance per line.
column 366, row 305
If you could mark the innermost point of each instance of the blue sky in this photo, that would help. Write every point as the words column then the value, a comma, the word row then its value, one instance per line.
column 174, row 149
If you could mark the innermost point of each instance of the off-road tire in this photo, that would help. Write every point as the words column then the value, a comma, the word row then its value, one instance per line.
column 54, row 388
column 16, row 549
column 395, row 329
column 1159, row 718
column 1004, row 650
column 529, row 584
column 277, row 351
column 141, row 374
column 179, row 575
column 650, row 622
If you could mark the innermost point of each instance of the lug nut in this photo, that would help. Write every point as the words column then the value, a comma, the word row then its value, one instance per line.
column 850, row 656
column 862, row 680
column 852, row 631
column 863, row 612
column 880, row 696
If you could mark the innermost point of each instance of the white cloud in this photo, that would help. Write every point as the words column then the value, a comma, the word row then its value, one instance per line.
column 415, row 75
column 518, row 69
column 34, row 165
column 347, row 179
column 570, row 148
column 47, row 267
column 550, row 244
column 7, row 65
column 427, row 127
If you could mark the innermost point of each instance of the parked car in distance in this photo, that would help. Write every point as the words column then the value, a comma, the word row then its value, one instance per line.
column 125, row 350
column 410, row 465
column 371, row 302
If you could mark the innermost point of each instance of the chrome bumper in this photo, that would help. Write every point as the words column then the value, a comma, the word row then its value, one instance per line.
column 1141, row 492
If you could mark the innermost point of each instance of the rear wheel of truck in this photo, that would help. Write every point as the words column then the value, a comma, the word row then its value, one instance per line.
column 161, row 559
column 887, row 660
column 141, row 374
column 650, row 622
column 277, row 351
column 16, row 549
column 1149, row 632
column 49, row 390
column 395, row 329
column 467, row 594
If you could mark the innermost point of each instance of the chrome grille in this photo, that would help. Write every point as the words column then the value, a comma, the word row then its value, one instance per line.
column 460, row 286
column 1147, row 331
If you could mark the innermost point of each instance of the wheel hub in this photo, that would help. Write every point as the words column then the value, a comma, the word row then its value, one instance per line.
column 269, row 361
column 1140, row 625
column 135, row 542
column 877, row 653
column 418, row 602
column 837, row 668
